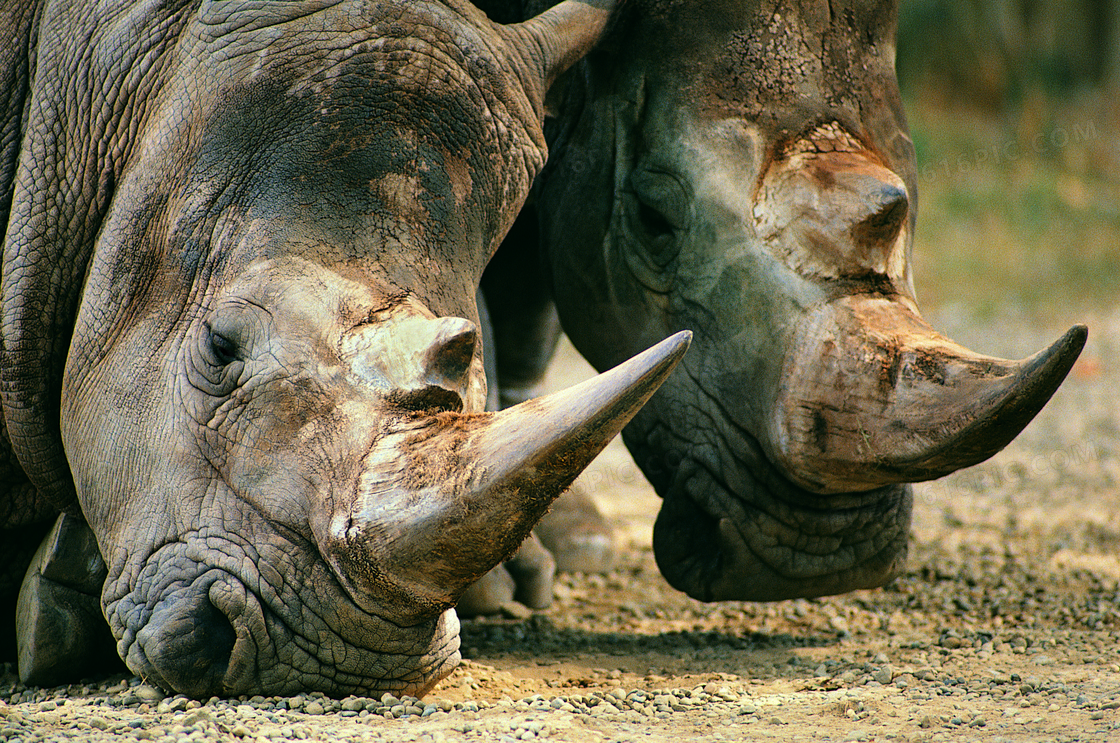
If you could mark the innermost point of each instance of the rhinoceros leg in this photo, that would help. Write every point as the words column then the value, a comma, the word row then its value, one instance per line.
column 493, row 591
column 16, row 548
column 525, row 324
column 24, row 519
column 533, row 569
column 578, row 534
column 60, row 632
column 520, row 332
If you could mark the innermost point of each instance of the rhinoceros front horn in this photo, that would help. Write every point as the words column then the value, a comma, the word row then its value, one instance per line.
column 444, row 498
column 872, row 395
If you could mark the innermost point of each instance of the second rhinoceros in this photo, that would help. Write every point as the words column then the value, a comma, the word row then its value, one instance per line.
column 242, row 244
column 742, row 168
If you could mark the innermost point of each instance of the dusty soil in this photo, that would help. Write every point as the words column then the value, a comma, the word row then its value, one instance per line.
column 1005, row 626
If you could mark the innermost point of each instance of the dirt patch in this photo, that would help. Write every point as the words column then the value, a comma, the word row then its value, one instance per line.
column 1005, row 627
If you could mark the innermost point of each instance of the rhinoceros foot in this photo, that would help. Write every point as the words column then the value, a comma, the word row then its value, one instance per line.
column 60, row 633
column 579, row 536
column 517, row 586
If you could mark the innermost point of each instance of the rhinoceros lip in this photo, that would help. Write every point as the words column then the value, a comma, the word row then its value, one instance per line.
column 718, row 544
column 726, row 507
column 264, row 636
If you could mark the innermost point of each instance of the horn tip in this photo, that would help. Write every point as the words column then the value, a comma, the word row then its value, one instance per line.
column 1059, row 358
column 666, row 354
column 679, row 342
column 1075, row 338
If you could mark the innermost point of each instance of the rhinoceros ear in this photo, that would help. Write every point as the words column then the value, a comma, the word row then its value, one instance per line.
column 550, row 43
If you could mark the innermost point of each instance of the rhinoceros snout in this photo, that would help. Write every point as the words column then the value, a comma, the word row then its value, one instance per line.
column 188, row 642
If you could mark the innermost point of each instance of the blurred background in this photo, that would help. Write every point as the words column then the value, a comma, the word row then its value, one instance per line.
column 1016, row 120
column 1014, row 108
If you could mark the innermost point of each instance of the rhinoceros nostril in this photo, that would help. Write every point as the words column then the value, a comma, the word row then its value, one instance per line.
column 187, row 643
column 448, row 359
column 890, row 207
column 445, row 365
column 419, row 363
column 431, row 399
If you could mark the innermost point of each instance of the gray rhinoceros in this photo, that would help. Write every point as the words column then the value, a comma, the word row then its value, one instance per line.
column 240, row 336
column 742, row 168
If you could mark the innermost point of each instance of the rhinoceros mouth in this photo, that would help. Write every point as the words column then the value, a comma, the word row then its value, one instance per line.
column 732, row 527
column 198, row 619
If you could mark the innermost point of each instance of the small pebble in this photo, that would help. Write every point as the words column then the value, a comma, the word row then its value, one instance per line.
column 148, row 694
column 884, row 675
column 515, row 610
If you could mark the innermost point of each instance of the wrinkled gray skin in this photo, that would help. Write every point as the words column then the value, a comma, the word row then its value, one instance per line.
column 241, row 253
column 743, row 169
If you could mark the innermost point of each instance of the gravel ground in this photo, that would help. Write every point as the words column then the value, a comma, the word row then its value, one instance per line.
column 1004, row 628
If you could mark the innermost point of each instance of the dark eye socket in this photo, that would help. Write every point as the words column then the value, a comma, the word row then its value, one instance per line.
column 658, row 213
column 655, row 224
column 222, row 349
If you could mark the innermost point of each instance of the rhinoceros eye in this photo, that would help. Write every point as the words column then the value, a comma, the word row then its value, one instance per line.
column 656, row 229
column 222, row 349
column 660, row 211
column 657, row 208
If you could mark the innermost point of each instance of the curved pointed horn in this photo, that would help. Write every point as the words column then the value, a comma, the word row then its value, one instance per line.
column 873, row 395
column 446, row 498
column 554, row 40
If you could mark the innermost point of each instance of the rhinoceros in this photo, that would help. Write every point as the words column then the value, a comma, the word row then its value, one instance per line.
column 241, row 347
column 743, row 169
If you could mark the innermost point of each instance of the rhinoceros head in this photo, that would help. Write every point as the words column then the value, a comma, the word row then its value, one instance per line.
column 298, row 492
column 743, row 169
column 272, row 402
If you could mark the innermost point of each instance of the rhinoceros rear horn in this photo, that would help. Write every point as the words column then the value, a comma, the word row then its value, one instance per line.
column 447, row 497
column 553, row 41
column 874, row 396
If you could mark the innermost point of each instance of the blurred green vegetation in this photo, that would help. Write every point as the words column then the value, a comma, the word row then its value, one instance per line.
column 998, row 52
column 1018, row 140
